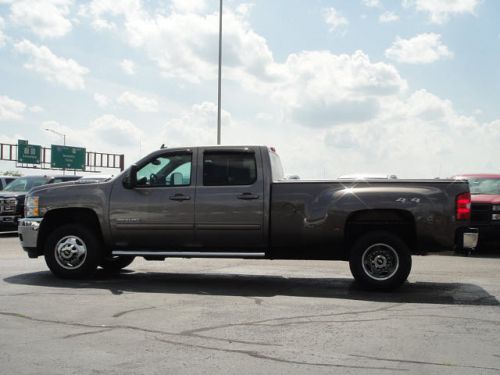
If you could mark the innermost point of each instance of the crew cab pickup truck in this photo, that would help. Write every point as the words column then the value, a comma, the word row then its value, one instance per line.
column 233, row 202
column 12, row 197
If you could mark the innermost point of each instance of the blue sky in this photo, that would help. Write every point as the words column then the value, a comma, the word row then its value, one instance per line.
column 408, row 87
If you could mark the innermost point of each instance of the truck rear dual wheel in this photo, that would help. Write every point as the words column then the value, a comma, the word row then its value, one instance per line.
column 380, row 261
column 73, row 251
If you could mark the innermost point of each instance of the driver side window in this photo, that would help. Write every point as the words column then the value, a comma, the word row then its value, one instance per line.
column 166, row 170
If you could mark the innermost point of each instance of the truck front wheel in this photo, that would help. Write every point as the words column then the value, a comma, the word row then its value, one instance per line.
column 380, row 260
column 72, row 251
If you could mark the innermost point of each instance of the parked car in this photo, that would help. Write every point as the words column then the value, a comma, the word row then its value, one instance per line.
column 12, row 197
column 233, row 202
column 485, row 190
column 5, row 180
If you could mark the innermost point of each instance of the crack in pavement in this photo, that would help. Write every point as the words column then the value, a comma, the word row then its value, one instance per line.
column 323, row 321
column 258, row 355
column 87, row 333
column 423, row 362
column 121, row 313
column 259, row 322
column 134, row 328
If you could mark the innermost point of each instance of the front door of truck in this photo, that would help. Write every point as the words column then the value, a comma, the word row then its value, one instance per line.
column 158, row 213
column 230, row 200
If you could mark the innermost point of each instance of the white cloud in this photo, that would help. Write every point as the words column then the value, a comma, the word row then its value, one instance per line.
column 128, row 66
column 372, row 3
column 440, row 11
column 35, row 109
column 141, row 103
column 101, row 100
column 195, row 127
column 45, row 18
column 11, row 109
column 323, row 89
column 115, row 131
column 387, row 17
column 404, row 128
column 335, row 20
column 191, row 52
column 66, row 72
column 189, row 6
column 2, row 35
column 343, row 88
column 421, row 49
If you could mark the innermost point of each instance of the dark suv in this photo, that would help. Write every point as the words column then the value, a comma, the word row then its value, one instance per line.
column 12, row 197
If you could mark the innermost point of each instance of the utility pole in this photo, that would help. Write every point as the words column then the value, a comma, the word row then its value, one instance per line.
column 219, row 83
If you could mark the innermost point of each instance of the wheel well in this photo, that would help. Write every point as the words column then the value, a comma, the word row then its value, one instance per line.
column 398, row 222
column 58, row 217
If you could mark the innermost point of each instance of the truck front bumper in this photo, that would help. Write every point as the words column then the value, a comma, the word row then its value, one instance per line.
column 28, row 235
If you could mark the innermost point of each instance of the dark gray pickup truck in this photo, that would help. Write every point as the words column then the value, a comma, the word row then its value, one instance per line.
column 233, row 202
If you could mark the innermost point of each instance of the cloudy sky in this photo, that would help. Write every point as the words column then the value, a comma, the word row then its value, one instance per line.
column 409, row 87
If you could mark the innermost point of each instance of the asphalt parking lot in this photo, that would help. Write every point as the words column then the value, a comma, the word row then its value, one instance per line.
column 248, row 316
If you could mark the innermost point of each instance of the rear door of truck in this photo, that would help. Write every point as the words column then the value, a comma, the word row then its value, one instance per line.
column 229, row 207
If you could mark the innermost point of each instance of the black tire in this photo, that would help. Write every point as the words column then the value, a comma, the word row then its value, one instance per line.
column 60, row 261
column 116, row 263
column 380, row 261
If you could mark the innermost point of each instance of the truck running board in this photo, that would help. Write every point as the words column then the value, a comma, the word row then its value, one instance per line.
column 187, row 254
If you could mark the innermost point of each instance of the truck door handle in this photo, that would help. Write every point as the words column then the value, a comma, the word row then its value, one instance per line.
column 179, row 197
column 248, row 196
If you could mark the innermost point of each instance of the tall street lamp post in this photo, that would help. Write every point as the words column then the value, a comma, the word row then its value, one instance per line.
column 219, row 81
column 58, row 133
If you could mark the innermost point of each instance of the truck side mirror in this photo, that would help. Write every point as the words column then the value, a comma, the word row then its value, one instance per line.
column 130, row 179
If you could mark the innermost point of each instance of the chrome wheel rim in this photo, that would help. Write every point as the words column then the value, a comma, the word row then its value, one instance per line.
column 380, row 261
column 70, row 252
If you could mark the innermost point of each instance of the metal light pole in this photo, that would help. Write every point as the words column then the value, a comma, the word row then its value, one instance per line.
column 58, row 133
column 219, row 83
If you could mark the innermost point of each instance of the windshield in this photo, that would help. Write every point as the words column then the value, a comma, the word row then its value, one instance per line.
column 487, row 186
column 24, row 184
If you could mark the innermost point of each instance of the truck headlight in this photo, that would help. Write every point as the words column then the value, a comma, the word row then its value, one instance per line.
column 496, row 208
column 31, row 206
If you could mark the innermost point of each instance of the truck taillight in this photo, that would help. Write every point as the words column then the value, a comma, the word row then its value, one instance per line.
column 463, row 206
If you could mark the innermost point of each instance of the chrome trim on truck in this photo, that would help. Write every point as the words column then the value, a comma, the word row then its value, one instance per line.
column 28, row 232
column 189, row 254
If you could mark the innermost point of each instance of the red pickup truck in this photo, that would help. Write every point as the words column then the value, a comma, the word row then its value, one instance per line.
column 485, row 208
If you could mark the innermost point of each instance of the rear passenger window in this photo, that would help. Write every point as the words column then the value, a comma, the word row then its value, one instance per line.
column 229, row 168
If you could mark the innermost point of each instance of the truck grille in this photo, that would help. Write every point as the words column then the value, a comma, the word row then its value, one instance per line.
column 7, row 205
column 480, row 213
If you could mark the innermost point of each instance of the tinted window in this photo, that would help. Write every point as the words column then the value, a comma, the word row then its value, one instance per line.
column 231, row 168
column 167, row 170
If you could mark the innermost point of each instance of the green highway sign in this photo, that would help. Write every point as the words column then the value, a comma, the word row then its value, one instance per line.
column 67, row 157
column 28, row 154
